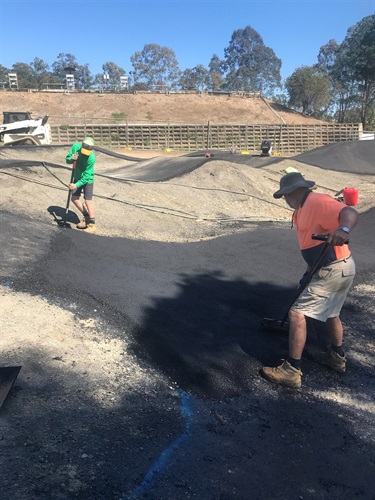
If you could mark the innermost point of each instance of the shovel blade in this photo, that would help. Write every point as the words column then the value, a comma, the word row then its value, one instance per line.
column 61, row 222
column 275, row 325
column 8, row 375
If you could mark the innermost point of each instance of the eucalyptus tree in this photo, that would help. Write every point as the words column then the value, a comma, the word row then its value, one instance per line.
column 4, row 76
column 340, row 95
column 216, row 73
column 355, row 64
column 249, row 64
column 155, row 65
column 350, row 68
column 114, row 72
column 41, row 72
column 67, row 64
column 26, row 75
column 196, row 78
column 308, row 89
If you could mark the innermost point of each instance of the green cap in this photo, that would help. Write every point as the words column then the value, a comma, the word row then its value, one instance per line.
column 88, row 141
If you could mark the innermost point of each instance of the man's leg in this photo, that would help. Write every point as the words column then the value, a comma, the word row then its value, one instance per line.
column 91, row 227
column 77, row 202
column 90, row 208
column 335, row 331
column 334, row 357
column 82, row 208
column 297, row 335
column 289, row 372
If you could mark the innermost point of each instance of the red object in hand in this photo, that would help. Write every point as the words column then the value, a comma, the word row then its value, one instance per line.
column 350, row 196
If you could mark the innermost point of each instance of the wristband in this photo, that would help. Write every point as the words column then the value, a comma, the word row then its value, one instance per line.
column 345, row 229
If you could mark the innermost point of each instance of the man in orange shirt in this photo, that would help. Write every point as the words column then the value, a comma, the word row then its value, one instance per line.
column 323, row 298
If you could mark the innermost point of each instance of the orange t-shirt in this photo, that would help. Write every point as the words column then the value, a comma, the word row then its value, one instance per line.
column 319, row 214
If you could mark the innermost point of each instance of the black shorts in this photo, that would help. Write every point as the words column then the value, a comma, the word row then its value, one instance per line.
column 87, row 189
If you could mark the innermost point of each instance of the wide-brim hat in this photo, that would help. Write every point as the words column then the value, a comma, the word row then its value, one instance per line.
column 291, row 182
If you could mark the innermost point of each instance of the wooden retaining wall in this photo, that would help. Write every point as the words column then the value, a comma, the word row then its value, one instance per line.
column 286, row 139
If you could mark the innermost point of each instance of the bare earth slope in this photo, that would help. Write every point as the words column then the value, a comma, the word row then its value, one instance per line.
column 178, row 108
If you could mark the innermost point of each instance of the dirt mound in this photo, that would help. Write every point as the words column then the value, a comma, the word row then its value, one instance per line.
column 218, row 198
column 74, row 108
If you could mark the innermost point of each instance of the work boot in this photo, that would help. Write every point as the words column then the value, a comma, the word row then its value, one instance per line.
column 91, row 228
column 84, row 223
column 331, row 359
column 285, row 374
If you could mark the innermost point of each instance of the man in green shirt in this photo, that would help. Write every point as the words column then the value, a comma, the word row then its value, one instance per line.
column 83, row 181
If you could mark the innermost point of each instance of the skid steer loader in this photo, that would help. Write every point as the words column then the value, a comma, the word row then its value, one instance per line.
column 20, row 128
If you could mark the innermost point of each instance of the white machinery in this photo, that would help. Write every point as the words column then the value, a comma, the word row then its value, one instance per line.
column 20, row 128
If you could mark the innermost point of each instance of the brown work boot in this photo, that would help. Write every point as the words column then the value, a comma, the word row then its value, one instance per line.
column 84, row 223
column 91, row 228
column 285, row 374
column 331, row 359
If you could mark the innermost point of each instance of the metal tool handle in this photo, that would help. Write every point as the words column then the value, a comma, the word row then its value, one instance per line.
column 69, row 192
column 323, row 237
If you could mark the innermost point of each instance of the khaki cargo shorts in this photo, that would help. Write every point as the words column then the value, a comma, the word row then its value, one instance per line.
column 324, row 297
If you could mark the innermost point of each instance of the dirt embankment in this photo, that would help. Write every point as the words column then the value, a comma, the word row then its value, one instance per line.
column 150, row 108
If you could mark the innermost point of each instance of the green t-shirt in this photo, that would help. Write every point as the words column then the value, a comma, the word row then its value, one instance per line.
column 84, row 171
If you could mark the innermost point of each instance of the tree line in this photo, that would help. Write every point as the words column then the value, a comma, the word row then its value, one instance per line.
column 339, row 87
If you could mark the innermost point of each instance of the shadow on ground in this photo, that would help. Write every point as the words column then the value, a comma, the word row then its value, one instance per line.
column 60, row 215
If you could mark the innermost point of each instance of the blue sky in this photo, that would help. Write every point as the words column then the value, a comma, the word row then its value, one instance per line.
column 99, row 31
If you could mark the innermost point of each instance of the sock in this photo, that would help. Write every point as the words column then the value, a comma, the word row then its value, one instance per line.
column 92, row 221
column 296, row 363
column 339, row 349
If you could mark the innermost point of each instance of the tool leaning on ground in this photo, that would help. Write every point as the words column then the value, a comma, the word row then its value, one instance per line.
column 282, row 325
column 69, row 195
column 63, row 222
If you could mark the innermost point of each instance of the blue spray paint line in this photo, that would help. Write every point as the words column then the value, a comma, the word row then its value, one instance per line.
column 165, row 456
column 7, row 283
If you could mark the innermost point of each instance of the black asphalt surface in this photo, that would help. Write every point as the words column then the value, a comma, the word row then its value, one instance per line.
column 350, row 156
column 193, row 311
column 199, row 305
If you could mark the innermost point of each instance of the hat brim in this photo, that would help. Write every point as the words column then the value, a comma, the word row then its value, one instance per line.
column 289, row 189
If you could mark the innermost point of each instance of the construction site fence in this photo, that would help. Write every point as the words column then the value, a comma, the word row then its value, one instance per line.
column 285, row 139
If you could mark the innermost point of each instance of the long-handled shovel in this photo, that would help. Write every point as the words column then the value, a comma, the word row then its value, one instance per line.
column 282, row 325
column 63, row 222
